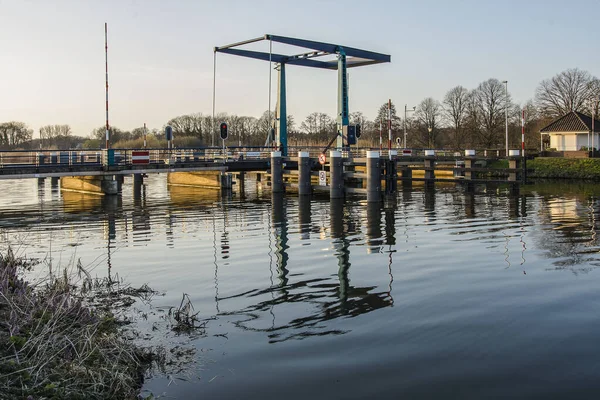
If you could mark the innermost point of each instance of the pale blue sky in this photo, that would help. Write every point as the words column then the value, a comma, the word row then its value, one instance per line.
column 160, row 54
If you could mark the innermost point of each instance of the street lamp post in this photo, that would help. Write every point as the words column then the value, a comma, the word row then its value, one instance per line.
column 429, row 129
column 405, row 111
column 506, row 112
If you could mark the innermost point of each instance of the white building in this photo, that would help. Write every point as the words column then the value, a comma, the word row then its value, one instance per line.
column 573, row 132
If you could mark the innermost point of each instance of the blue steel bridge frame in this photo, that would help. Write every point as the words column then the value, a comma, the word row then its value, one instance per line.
column 347, row 57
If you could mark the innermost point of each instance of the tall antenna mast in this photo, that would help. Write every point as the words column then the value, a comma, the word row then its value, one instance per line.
column 106, row 65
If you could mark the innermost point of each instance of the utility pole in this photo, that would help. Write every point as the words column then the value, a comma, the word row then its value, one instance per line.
column 390, row 128
column 593, row 129
column 405, row 111
column 506, row 113
column 106, row 65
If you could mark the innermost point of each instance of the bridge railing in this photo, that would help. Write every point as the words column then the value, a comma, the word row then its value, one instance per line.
column 128, row 157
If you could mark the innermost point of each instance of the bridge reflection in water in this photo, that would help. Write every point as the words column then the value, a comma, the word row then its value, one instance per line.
column 327, row 300
column 306, row 291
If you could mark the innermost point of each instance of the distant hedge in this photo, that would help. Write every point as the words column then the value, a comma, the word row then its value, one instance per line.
column 564, row 168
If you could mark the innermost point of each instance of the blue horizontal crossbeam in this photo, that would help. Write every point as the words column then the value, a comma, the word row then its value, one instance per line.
column 330, row 48
column 356, row 57
column 278, row 58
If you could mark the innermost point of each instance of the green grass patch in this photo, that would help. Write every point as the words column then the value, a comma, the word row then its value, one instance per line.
column 564, row 168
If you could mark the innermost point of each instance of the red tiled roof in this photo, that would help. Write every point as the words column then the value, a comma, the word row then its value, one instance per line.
column 572, row 122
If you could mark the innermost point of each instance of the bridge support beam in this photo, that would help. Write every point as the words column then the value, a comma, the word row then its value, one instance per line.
column 276, row 172
column 373, row 177
column 282, row 141
column 100, row 185
column 336, row 173
column 304, row 173
column 203, row 179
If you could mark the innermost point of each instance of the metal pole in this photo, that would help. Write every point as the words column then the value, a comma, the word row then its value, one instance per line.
column 144, row 135
column 380, row 136
column 270, row 70
column 212, row 140
column 523, row 132
column 389, row 127
column 593, row 130
column 506, row 113
column 405, row 125
column 106, row 66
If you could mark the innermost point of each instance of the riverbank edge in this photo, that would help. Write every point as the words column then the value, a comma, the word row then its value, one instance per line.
column 559, row 168
column 56, row 343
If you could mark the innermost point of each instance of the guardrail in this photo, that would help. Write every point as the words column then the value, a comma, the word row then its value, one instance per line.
column 124, row 157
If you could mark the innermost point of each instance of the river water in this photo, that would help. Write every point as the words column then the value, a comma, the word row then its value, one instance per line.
column 433, row 294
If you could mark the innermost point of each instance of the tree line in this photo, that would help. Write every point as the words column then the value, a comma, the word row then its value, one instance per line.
column 463, row 118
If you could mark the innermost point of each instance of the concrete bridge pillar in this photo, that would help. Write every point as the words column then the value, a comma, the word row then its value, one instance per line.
column 226, row 181
column 241, row 182
column 138, row 182
column 373, row 176
column 304, row 173
column 336, row 173
column 429, row 165
column 110, row 185
column 514, row 174
column 406, row 173
column 391, row 173
column 276, row 172
column 514, row 162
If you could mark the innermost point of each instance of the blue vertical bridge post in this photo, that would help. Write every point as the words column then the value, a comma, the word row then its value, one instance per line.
column 345, row 57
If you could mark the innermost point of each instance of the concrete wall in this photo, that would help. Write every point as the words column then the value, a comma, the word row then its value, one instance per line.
column 204, row 179
column 83, row 184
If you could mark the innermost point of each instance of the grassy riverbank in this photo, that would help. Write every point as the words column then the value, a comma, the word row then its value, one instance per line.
column 559, row 168
column 55, row 344
column 565, row 168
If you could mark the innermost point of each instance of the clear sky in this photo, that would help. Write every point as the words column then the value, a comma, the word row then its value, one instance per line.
column 160, row 54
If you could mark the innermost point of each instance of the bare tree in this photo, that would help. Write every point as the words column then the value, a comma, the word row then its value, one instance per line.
column 456, row 104
column 429, row 113
column 51, row 132
column 567, row 91
column 382, row 116
column 318, row 126
column 187, row 125
column 490, row 101
column 14, row 133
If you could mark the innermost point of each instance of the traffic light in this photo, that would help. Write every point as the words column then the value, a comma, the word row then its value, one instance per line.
column 357, row 131
column 223, row 130
column 169, row 132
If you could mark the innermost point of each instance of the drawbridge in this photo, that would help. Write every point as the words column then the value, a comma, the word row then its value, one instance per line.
column 344, row 57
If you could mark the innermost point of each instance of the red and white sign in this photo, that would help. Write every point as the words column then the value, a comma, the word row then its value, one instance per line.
column 407, row 152
column 140, row 157
column 322, row 159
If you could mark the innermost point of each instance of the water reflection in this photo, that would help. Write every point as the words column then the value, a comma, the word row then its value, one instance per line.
column 314, row 279
column 373, row 235
column 304, row 217
column 280, row 230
